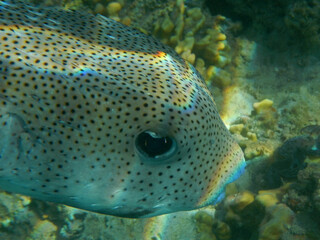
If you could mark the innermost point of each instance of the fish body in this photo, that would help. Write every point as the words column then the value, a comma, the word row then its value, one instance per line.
column 96, row 115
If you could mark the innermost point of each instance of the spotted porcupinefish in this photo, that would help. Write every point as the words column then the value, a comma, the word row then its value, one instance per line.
column 101, row 117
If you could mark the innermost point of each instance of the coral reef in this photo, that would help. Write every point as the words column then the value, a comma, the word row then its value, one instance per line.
column 294, row 21
column 204, row 223
column 43, row 229
column 199, row 38
column 259, row 216
column 289, row 158
column 275, row 213
column 302, row 18
column 255, row 149
column 290, row 175
column 305, row 194
column 276, row 221
column 253, row 131
column 266, row 113
column 210, row 228
column 263, row 106
column 243, row 213
column 18, row 220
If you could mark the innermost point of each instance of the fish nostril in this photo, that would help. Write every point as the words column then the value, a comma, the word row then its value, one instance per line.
column 154, row 148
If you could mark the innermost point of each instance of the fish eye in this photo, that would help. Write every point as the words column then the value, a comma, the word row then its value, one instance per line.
column 154, row 148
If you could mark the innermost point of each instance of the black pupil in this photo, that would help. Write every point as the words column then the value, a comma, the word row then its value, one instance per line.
column 153, row 146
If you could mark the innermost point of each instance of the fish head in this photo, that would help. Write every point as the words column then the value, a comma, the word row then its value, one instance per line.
column 175, row 152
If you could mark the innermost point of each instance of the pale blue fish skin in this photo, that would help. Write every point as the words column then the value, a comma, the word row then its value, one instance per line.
column 96, row 115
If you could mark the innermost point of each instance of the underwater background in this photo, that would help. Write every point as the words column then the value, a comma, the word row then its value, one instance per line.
column 260, row 59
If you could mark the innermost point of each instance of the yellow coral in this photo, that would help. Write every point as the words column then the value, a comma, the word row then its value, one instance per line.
column 220, row 46
column 201, row 66
column 185, row 45
column 203, row 217
column 195, row 20
column 266, row 112
column 221, row 37
column 276, row 222
column 167, row 25
column 113, row 8
column 252, row 136
column 231, row 189
column 204, row 223
column 217, row 22
column 242, row 200
column 188, row 56
column 263, row 105
column 236, row 128
column 74, row 4
column 267, row 199
column 218, row 77
column 222, row 231
column 257, row 148
column 207, row 236
column 44, row 229
column 126, row 21
column 99, row 8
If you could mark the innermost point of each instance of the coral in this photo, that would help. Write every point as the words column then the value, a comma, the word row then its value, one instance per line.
column 236, row 128
column 206, row 236
column 309, row 185
column 265, row 112
column 218, row 77
column 221, row 230
column 73, row 4
column 196, row 37
column 296, row 201
column 267, row 199
column 256, row 149
column 167, row 25
column 113, row 8
column 303, row 18
column 276, row 222
column 289, row 158
column 204, row 223
column 194, row 15
column 257, row 216
column 311, row 130
column 240, row 201
column 43, row 229
column 263, row 106
column 210, row 228
column 243, row 213
column 74, row 223
column 4, row 215
column 252, row 136
column 16, row 219
column 294, row 22
column 316, row 196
